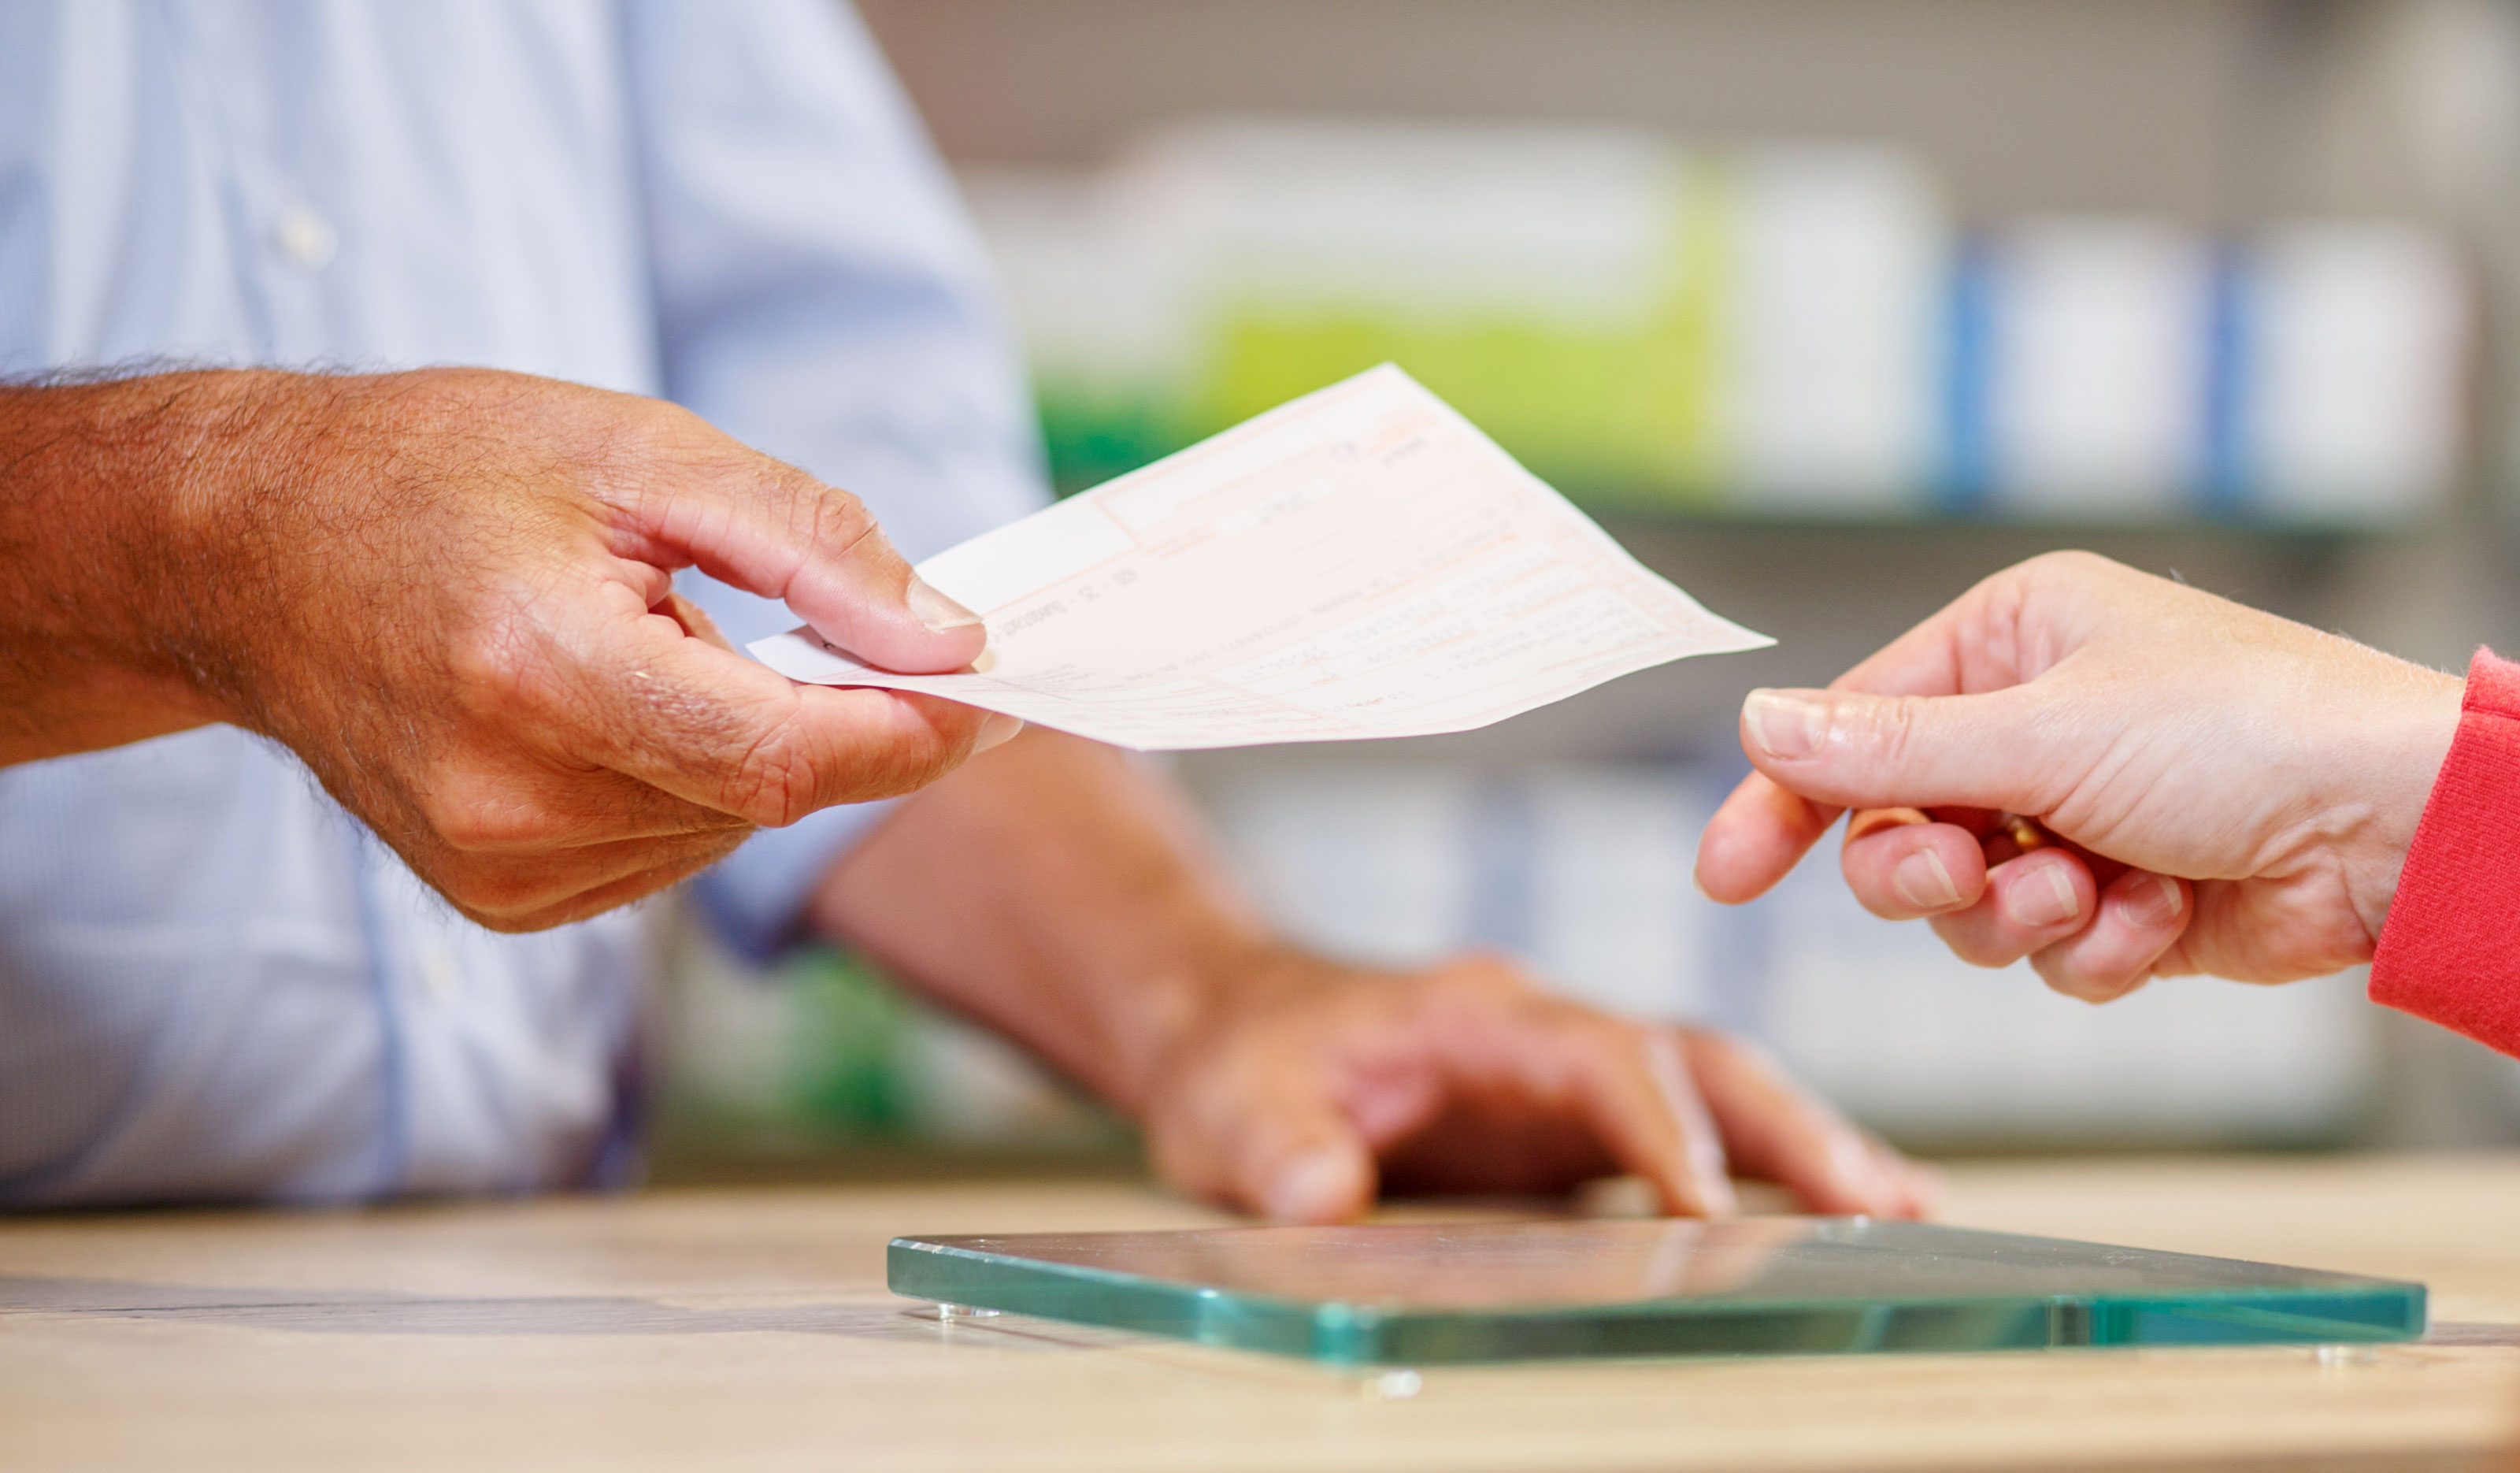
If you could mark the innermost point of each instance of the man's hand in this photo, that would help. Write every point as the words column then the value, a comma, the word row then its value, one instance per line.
column 1310, row 1086
column 450, row 593
column 1062, row 893
column 2236, row 792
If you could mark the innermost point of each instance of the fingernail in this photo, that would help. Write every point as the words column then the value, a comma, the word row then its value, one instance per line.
column 996, row 730
column 1315, row 1188
column 1715, row 1185
column 1785, row 726
column 1924, row 1189
column 1712, row 1172
column 2045, row 899
column 941, row 614
column 1860, row 1172
column 1923, row 882
column 1702, row 1162
column 2156, row 905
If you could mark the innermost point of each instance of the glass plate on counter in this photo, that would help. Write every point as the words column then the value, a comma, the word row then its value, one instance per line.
column 1420, row 1294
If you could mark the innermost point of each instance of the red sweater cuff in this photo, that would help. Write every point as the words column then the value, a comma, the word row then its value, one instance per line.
column 2451, row 951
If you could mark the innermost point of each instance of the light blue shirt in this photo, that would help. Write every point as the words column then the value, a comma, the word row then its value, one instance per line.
column 213, row 983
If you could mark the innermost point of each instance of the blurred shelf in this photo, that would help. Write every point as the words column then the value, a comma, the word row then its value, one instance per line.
column 1646, row 513
column 1999, row 526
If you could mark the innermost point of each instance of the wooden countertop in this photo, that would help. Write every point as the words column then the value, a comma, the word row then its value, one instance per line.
column 749, row 1329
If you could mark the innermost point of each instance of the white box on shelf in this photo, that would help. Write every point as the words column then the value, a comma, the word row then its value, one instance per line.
column 2101, row 361
column 2357, row 359
column 1840, row 262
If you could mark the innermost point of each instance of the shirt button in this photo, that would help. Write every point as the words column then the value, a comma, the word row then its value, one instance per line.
column 440, row 977
column 306, row 240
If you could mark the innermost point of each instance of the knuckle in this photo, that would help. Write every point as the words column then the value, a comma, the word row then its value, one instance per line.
column 1487, row 974
column 513, row 900
column 883, row 779
column 659, row 428
column 774, row 784
column 649, row 450
column 1625, row 1038
column 2072, row 563
column 841, row 512
column 830, row 520
column 494, row 900
column 1581, row 1035
column 1889, row 729
column 520, row 922
column 471, row 814
column 496, row 666
column 924, row 762
column 784, row 773
column 1717, row 1053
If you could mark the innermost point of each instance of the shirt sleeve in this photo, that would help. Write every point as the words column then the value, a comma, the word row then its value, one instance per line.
column 822, row 296
column 2450, row 951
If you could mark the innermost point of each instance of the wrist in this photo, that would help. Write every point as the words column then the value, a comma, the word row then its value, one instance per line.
column 230, row 567
column 110, row 522
column 2408, row 748
column 1176, row 1005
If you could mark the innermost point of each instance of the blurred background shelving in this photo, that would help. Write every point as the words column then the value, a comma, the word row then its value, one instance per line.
column 2219, row 288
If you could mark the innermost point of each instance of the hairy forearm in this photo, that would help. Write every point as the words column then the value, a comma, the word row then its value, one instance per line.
column 1057, row 891
column 112, row 500
column 450, row 593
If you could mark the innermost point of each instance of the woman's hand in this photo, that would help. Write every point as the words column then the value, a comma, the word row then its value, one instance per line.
column 2235, row 792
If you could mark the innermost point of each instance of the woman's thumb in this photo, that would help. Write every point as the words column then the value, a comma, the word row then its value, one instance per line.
column 1848, row 748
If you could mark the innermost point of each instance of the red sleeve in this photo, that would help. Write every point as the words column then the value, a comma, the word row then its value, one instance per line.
column 2451, row 951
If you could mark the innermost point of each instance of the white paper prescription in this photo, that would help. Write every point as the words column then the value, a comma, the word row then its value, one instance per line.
column 1357, row 562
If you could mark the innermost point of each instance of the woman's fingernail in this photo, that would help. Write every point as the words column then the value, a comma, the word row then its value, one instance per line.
column 2045, row 899
column 1923, row 882
column 941, row 614
column 2156, row 905
column 997, row 730
column 1783, row 726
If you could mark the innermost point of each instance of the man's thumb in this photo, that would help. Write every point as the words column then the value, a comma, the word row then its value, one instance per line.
column 772, row 529
column 871, row 604
column 862, row 596
column 1851, row 750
